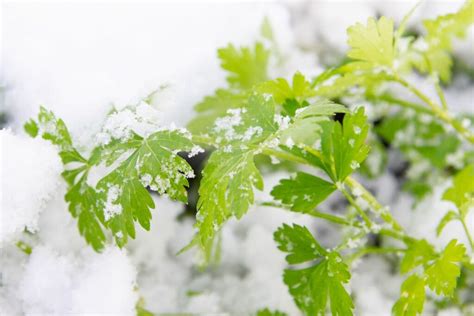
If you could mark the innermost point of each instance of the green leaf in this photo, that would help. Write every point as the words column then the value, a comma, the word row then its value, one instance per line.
column 153, row 163
column 246, row 66
column 418, row 253
column 214, row 106
column 31, row 128
column 226, row 190
column 281, row 90
column 345, row 145
column 318, row 286
column 85, row 205
column 443, row 273
column 299, row 243
column 450, row 216
column 267, row 312
column 304, row 192
column 373, row 42
column 412, row 297
column 462, row 190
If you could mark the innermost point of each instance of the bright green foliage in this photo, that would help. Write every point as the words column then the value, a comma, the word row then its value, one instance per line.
column 440, row 33
column 153, row 162
column 85, row 205
column 246, row 66
column 228, row 179
column 462, row 190
column 267, row 312
column 321, row 285
column 281, row 90
column 418, row 253
column 412, row 297
column 121, row 198
column 304, row 192
column 298, row 242
column 443, row 273
column 343, row 146
column 215, row 106
column 305, row 127
column 226, row 190
column 373, row 42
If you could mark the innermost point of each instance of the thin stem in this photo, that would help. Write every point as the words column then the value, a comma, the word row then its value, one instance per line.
column 361, row 212
column 437, row 110
column 441, row 96
column 468, row 234
column 355, row 186
column 284, row 155
column 373, row 250
column 403, row 103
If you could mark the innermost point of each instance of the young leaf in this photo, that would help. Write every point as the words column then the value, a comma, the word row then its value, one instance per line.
column 373, row 42
column 304, row 192
column 281, row 90
column 299, row 243
column 462, row 190
column 246, row 66
column 438, row 41
column 320, row 285
column 418, row 253
column 443, row 273
column 412, row 297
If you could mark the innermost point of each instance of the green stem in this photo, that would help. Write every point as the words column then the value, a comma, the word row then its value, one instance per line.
column 437, row 110
column 361, row 212
column 329, row 217
column 441, row 96
column 284, row 156
column 406, row 104
column 373, row 250
column 468, row 234
column 354, row 185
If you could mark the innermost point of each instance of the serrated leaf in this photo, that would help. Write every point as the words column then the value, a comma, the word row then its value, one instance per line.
column 412, row 297
column 281, row 90
column 304, row 192
column 462, row 190
column 298, row 242
column 226, row 190
column 246, row 66
column 85, row 205
column 154, row 162
column 443, row 273
column 418, row 253
column 373, row 42
column 316, row 287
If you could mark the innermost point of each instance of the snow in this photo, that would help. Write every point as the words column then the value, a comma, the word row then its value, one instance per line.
column 86, row 284
column 30, row 174
column 122, row 54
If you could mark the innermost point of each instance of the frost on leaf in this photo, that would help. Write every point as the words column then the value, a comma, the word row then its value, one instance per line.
column 320, row 285
column 153, row 162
